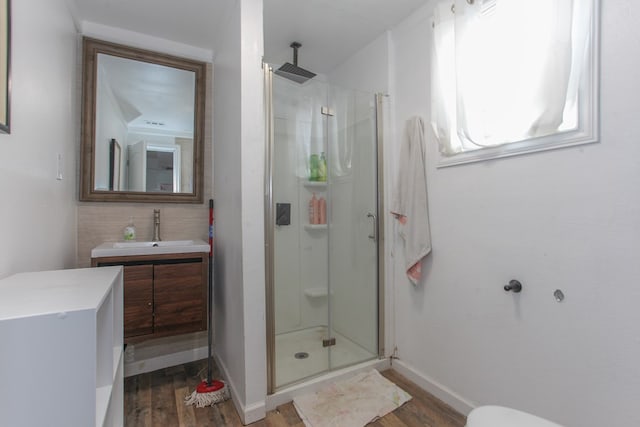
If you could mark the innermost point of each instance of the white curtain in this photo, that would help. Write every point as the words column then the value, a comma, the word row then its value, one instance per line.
column 443, row 81
column 505, row 70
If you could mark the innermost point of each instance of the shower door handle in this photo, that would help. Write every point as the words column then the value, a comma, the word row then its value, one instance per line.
column 374, row 236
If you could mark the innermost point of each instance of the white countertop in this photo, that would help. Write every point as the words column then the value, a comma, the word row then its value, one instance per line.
column 59, row 291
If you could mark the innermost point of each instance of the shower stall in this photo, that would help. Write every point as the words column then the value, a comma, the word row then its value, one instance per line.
column 324, row 290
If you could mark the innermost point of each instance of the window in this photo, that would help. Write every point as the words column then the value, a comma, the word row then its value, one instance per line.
column 513, row 76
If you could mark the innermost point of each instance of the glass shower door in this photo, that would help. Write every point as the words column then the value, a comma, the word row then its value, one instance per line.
column 352, row 238
column 300, row 272
column 324, row 286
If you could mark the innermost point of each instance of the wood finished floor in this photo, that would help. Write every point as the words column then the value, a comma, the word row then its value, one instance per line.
column 156, row 399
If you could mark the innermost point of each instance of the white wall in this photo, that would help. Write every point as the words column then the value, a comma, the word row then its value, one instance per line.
column 565, row 219
column 238, row 188
column 143, row 41
column 228, row 291
column 367, row 70
column 253, row 190
column 38, row 212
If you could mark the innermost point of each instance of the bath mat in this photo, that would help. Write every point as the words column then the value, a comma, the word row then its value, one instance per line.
column 353, row 402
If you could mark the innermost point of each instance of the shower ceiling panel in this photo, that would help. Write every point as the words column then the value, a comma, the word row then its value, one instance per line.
column 330, row 30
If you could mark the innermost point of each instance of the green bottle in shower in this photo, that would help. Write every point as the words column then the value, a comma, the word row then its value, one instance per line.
column 314, row 167
column 322, row 168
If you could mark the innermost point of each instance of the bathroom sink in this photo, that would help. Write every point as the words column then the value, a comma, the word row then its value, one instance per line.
column 161, row 243
column 149, row 248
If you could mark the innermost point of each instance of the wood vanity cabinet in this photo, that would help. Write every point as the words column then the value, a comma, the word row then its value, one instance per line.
column 138, row 300
column 163, row 294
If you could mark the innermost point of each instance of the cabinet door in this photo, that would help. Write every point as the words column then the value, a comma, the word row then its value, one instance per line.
column 138, row 300
column 180, row 297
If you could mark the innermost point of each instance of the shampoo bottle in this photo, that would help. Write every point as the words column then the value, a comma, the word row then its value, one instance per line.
column 313, row 208
column 130, row 231
column 322, row 207
column 316, row 211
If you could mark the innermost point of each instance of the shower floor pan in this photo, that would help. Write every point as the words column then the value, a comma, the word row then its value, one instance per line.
column 291, row 369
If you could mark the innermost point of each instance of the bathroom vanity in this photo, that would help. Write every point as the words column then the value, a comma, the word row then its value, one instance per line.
column 165, row 286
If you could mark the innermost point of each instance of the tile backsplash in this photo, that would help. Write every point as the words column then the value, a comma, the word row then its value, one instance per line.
column 105, row 222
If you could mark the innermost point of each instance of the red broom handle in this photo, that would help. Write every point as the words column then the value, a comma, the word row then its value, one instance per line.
column 211, row 226
column 210, row 302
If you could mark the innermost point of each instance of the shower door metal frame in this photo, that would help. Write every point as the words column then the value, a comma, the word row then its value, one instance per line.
column 379, row 121
column 269, row 235
column 270, row 218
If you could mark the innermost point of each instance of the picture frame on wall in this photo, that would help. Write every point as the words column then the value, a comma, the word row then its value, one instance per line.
column 5, row 62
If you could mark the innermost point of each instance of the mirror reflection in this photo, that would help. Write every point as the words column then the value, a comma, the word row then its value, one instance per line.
column 149, row 110
column 142, row 125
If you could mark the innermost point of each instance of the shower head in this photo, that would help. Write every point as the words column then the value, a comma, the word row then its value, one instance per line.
column 292, row 71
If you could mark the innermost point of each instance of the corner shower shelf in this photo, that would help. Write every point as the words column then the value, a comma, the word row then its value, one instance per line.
column 317, row 292
column 313, row 227
column 315, row 184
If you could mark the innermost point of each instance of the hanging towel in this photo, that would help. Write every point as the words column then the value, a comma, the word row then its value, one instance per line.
column 409, row 203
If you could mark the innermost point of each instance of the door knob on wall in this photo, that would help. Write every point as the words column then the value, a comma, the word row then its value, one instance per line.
column 514, row 286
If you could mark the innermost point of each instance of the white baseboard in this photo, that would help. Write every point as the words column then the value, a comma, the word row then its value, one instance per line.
column 257, row 410
column 164, row 361
column 449, row 397
column 249, row 413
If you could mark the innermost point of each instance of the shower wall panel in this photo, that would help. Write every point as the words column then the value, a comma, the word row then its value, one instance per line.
column 300, row 254
column 287, row 237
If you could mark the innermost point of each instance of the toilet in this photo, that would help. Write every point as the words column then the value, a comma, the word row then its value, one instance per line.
column 499, row 416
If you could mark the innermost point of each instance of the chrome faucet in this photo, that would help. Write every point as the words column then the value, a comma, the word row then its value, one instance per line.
column 156, row 225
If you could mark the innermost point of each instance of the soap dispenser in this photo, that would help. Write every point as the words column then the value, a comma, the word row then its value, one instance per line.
column 314, row 164
column 130, row 231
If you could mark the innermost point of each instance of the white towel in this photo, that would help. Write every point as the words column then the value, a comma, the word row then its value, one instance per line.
column 409, row 203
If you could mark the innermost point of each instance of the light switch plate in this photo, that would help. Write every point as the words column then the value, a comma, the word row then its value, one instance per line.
column 59, row 167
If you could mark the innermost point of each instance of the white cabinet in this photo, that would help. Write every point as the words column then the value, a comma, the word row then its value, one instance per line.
column 61, row 348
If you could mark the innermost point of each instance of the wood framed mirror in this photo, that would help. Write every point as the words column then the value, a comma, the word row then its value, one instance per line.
column 153, row 104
